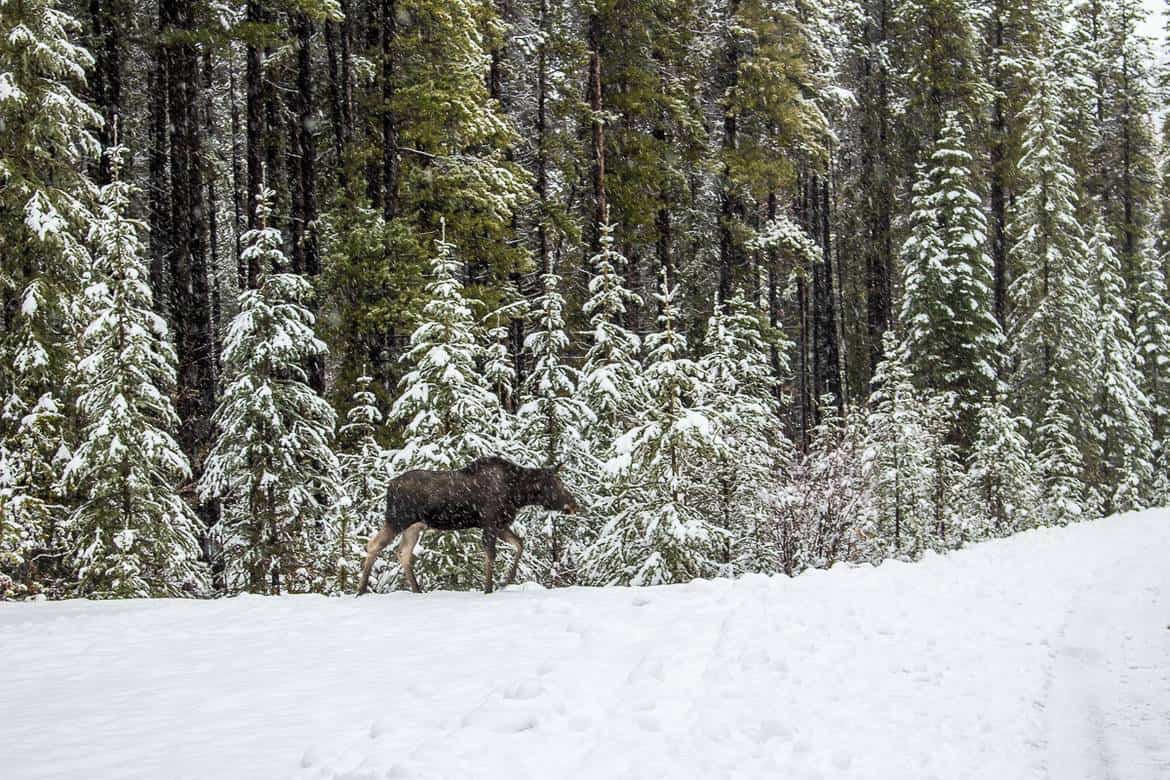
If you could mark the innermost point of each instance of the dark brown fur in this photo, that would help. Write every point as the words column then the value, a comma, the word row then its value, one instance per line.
column 485, row 494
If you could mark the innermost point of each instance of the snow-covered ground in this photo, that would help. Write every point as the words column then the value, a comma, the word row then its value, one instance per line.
column 1042, row 656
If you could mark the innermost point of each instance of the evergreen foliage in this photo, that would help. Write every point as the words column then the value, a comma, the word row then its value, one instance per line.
column 132, row 533
column 658, row 532
column 553, row 421
column 272, row 462
column 1121, row 409
column 448, row 414
column 952, row 340
column 45, row 212
column 361, row 510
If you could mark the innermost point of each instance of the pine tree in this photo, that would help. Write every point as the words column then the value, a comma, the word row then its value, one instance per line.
column 448, row 413
column 1052, row 333
column 659, row 532
column 271, row 461
column 433, row 145
column 132, row 534
column 1153, row 347
column 1123, row 470
column 952, row 339
column 553, row 420
column 44, row 215
column 611, row 385
column 1064, row 497
column 1002, row 473
column 361, row 510
column 739, row 390
column 611, row 376
column 1126, row 174
column 899, row 447
column 935, row 54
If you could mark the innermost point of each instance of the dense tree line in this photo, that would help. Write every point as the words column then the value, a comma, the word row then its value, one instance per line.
column 780, row 283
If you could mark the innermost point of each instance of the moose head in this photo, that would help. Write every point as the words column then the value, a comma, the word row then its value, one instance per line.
column 546, row 489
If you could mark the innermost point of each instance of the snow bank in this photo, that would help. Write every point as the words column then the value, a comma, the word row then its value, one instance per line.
column 1042, row 656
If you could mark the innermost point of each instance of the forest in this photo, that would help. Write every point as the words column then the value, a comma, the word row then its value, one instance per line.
column 775, row 284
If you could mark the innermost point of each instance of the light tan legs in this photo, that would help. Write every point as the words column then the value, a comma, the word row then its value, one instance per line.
column 410, row 538
column 489, row 562
column 514, row 540
column 375, row 546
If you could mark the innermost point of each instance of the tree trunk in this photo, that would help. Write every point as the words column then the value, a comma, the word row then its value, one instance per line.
column 876, row 174
column 190, row 291
column 729, row 207
column 827, row 380
column 305, row 219
column 238, row 196
column 389, row 121
column 336, row 100
column 159, row 190
column 998, row 188
column 106, row 76
column 600, row 207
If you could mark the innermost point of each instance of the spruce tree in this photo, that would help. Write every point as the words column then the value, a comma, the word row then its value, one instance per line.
column 1002, row 473
column 271, row 461
column 1064, row 497
column 448, row 414
column 132, row 534
column 553, row 421
column 1123, row 470
column 611, row 385
column 899, row 448
column 361, row 510
column 611, row 376
column 1051, row 300
column 740, row 391
column 952, row 340
column 45, row 197
column 659, row 532
column 1153, row 346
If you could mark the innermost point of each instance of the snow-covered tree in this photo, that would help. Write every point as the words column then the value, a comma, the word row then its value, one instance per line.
column 448, row 413
column 1153, row 345
column 271, row 461
column 1123, row 468
column 739, row 390
column 1002, row 473
column 658, row 532
column 45, row 213
column 1061, row 467
column 360, row 511
column 952, row 340
column 611, row 383
column 132, row 534
column 898, row 450
column 553, row 422
column 1052, row 302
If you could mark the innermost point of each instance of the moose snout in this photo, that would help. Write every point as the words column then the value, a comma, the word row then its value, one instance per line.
column 571, row 508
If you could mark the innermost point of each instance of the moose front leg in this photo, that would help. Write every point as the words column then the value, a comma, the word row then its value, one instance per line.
column 489, row 558
column 410, row 538
column 508, row 536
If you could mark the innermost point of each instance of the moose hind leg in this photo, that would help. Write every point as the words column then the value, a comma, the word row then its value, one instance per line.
column 374, row 547
column 511, row 538
column 489, row 559
column 406, row 554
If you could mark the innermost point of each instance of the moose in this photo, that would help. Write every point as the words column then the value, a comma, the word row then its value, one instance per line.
column 487, row 494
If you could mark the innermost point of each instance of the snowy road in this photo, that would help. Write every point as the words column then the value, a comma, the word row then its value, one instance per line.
column 1042, row 656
